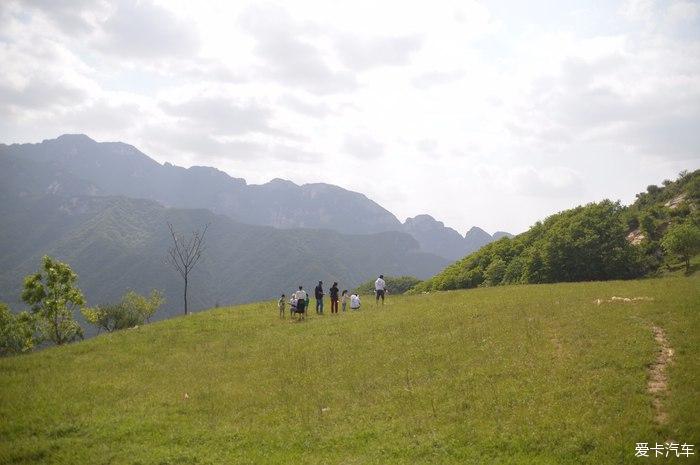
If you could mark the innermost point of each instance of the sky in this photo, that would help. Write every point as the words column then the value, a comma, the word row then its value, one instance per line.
column 492, row 113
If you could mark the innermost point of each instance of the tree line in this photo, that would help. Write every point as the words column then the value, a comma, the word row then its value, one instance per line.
column 589, row 243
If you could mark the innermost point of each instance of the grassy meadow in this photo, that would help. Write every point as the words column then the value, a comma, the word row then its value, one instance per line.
column 537, row 374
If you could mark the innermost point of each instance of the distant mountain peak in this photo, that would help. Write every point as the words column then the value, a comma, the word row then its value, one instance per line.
column 281, row 182
column 476, row 230
column 73, row 138
column 500, row 234
column 424, row 221
column 423, row 217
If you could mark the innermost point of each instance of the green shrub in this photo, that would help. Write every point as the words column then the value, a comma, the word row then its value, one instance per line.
column 17, row 331
column 683, row 241
column 133, row 310
column 53, row 296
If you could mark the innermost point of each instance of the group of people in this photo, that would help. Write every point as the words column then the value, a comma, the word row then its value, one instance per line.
column 299, row 300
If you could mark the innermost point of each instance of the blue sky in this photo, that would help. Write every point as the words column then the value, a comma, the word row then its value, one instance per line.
column 492, row 113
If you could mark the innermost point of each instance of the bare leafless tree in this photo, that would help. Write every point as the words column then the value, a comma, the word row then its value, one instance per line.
column 184, row 254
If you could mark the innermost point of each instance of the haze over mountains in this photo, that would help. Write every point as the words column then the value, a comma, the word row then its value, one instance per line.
column 103, row 207
column 118, row 243
column 76, row 164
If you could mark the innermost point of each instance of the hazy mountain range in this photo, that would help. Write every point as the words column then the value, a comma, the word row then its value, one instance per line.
column 76, row 164
column 103, row 207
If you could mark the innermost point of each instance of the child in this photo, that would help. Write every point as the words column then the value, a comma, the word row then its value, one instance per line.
column 355, row 302
column 344, row 297
column 293, row 306
column 280, row 305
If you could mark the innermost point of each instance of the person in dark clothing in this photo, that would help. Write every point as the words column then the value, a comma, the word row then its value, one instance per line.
column 318, row 292
column 334, row 298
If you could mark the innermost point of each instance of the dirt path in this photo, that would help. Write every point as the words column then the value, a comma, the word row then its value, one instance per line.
column 658, row 379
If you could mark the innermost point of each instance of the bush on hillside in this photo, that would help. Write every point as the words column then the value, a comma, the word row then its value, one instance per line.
column 133, row 310
column 18, row 332
column 394, row 285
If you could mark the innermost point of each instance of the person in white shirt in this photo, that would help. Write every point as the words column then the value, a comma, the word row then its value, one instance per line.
column 379, row 289
column 355, row 302
column 301, row 297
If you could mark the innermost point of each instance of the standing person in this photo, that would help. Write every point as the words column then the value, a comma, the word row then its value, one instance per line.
column 318, row 293
column 293, row 306
column 344, row 298
column 379, row 289
column 355, row 302
column 334, row 298
column 302, row 300
column 280, row 305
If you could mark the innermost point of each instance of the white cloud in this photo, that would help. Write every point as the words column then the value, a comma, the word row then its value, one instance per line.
column 363, row 53
column 289, row 55
column 489, row 113
column 143, row 30
column 220, row 115
column 363, row 147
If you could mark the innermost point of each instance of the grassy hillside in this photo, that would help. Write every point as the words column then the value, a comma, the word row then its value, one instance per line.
column 545, row 374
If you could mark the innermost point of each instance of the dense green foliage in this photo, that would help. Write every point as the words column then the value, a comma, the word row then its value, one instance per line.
column 658, row 208
column 18, row 332
column 53, row 296
column 394, row 285
column 133, row 310
column 585, row 243
column 504, row 375
column 682, row 240
column 582, row 244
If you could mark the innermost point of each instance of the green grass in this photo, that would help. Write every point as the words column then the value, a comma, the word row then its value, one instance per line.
column 506, row 375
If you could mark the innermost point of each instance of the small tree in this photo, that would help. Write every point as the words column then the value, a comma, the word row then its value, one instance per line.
column 53, row 297
column 17, row 332
column 145, row 306
column 682, row 240
column 133, row 310
column 184, row 254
